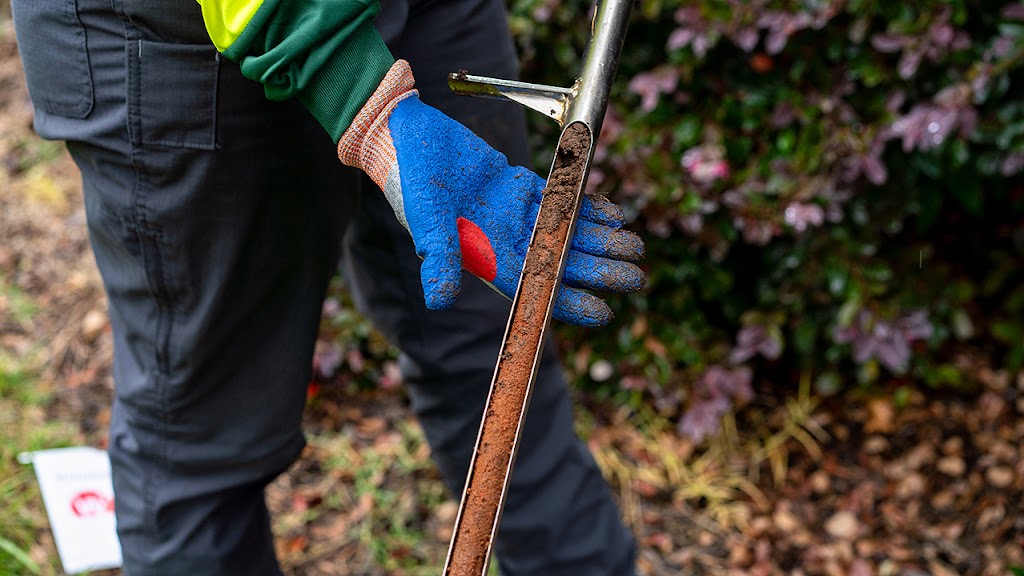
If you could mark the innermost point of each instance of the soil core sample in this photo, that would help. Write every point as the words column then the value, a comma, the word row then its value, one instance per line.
column 510, row 390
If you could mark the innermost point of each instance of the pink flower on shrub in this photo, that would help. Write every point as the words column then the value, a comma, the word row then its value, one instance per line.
column 355, row 360
column 331, row 307
column 940, row 39
column 886, row 341
column 651, row 85
column 887, row 43
column 747, row 18
column 705, row 164
column 802, row 216
column 1012, row 164
column 703, row 416
column 780, row 26
column 391, row 376
column 1014, row 12
column 692, row 223
column 929, row 125
column 756, row 339
column 783, row 115
column 869, row 163
column 757, row 232
column 713, row 394
column 327, row 358
column 693, row 31
column 542, row 14
column 915, row 326
column 680, row 38
column 746, row 38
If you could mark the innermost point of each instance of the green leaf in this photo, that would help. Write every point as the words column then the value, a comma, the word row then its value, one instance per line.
column 804, row 337
column 1013, row 30
column 785, row 140
column 871, row 75
column 19, row 555
column 687, row 131
column 962, row 326
column 651, row 8
column 960, row 154
column 929, row 207
column 848, row 310
column 837, row 276
column 943, row 376
column 828, row 384
column 901, row 397
column 877, row 272
column 1007, row 331
column 930, row 164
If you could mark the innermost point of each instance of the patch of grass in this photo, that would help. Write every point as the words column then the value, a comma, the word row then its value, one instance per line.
column 18, row 495
column 19, row 555
column 393, row 527
column 396, row 485
column 648, row 458
column 30, row 150
column 22, row 399
column 376, row 495
column 715, row 485
column 14, row 303
column 797, row 424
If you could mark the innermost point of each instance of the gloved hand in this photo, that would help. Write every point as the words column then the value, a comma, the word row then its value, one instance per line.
column 466, row 207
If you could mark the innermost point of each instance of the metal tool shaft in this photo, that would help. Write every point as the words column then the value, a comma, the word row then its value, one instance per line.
column 580, row 111
column 600, row 62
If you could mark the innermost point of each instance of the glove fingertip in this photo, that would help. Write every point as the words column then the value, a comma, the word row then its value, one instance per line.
column 440, row 285
column 626, row 245
column 600, row 210
column 603, row 240
column 581, row 308
column 440, row 295
column 596, row 273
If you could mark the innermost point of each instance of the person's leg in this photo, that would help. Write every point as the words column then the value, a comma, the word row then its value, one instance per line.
column 560, row 517
column 216, row 238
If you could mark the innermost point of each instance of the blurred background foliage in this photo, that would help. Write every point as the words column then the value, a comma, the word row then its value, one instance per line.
column 831, row 193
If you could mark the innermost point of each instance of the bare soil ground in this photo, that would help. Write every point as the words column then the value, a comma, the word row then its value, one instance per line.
column 792, row 486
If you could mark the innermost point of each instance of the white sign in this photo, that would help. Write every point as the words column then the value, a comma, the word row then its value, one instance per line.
column 79, row 500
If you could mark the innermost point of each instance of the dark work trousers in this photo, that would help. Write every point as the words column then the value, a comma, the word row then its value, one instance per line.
column 217, row 218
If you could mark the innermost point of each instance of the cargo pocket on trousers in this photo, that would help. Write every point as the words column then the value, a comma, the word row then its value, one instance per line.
column 173, row 95
column 51, row 40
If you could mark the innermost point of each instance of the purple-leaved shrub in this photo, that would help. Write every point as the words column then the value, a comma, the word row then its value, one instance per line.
column 828, row 189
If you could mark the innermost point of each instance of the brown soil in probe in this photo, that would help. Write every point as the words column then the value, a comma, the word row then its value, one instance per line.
column 506, row 407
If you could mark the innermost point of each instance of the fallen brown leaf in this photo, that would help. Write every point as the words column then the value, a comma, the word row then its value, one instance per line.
column 843, row 525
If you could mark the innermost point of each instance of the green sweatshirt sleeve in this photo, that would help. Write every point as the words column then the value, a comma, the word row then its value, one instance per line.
column 326, row 53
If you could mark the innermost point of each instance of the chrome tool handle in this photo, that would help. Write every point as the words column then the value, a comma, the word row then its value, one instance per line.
column 580, row 111
column 584, row 101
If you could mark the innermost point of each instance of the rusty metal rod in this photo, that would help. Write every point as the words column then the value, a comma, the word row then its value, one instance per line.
column 580, row 111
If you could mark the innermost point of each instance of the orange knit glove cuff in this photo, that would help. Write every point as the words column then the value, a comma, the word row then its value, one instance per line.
column 367, row 143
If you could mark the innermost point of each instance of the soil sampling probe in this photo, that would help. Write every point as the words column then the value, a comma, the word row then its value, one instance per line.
column 579, row 110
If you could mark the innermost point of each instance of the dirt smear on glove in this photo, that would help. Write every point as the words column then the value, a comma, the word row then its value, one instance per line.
column 510, row 392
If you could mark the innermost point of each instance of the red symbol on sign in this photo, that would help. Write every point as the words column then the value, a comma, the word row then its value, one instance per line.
column 89, row 503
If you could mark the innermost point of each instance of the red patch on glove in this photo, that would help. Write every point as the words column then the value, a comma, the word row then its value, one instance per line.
column 477, row 253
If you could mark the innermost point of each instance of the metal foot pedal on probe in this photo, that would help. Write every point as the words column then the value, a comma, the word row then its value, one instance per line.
column 579, row 110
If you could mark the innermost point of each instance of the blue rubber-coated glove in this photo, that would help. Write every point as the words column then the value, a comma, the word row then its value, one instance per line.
column 466, row 207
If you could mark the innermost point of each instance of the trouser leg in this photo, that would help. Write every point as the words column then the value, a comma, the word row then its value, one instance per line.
column 216, row 236
column 560, row 517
